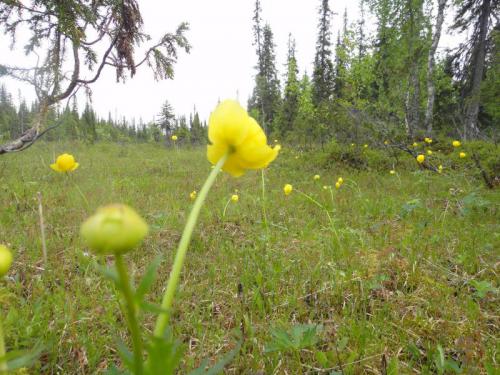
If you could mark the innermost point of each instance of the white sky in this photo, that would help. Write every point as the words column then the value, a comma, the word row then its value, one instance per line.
column 222, row 57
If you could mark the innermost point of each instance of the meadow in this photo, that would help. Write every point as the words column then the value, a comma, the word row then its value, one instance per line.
column 402, row 280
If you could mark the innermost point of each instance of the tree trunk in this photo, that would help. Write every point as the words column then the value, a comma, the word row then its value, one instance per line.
column 477, row 61
column 431, row 89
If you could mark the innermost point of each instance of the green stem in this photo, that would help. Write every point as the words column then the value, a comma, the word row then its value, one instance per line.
column 225, row 208
column 3, row 362
column 264, row 213
column 131, row 313
column 85, row 200
column 332, row 223
column 173, row 281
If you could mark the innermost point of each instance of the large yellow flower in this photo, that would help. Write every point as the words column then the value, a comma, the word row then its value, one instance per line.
column 232, row 131
column 65, row 163
column 5, row 260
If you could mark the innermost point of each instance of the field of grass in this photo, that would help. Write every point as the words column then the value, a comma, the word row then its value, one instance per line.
column 404, row 281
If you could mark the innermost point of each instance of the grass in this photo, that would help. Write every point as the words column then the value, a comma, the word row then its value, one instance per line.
column 411, row 287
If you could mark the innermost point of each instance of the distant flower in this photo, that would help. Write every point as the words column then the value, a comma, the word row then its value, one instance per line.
column 65, row 163
column 287, row 189
column 353, row 144
column 386, row 142
column 174, row 138
column 365, row 145
column 235, row 198
column 338, row 185
column 415, row 144
column 316, row 177
column 420, row 158
column 392, row 171
column 277, row 148
column 275, row 141
column 340, row 180
column 193, row 195
column 233, row 132
column 5, row 260
column 114, row 229
column 440, row 168
column 456, row 143
column 427, row 140
column 325, row 187
column 462, row 155
column 297, row 156
column 429, row 152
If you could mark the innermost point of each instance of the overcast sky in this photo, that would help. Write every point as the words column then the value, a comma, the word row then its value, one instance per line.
column 222, row 59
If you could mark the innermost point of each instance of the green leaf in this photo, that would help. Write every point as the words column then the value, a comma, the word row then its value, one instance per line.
column 164, row 354
column 299, row 337
column 148, row 279
column 21, row 358
column 126, row 355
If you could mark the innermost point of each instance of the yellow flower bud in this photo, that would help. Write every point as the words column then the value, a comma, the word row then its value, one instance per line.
column 235, row 198
column 429, row 152
column 462, row 155
column 392, row 171
column 340, row 180
column 193, row 195
column 316, row 177
column 415, row 144
column 365, row 146
column 174, row 138
column 456, row 143
column 337, row 185
column 5, row 260
column 114, row 229
column 420, row 158
column 287, row 189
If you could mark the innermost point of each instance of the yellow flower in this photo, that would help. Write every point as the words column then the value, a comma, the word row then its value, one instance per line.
column 365, row 146
column 174, row 138
column 193, row 195
column 427, row 140
column 353, row 144
column 456, row 143
column 275, row 141
column 392, row 171
column 65, row 163
column 235, row 198
column 316, row 177
column 5, row 260
column 429, row 152
column 277, row 147
column 287, row 189
column 325, row 187
column 462, row 155
column 415, row 144
column 386, row 142
column 338, row 185
column 440, row 168
column 340, row 180
column 114, row 229
column 420, row 158
column 231, row 131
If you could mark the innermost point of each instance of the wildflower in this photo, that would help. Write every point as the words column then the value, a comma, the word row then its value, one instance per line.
column 428, row 140
column 5, row 260
column 338, row 185
column 65, row 163
column 114, row 229
column 415, row 144
column 386, row 142
column 275, row 141
column 174, row 138
column 365, row 145
column 325, row 187
column 235, row 198
column 193, row 195
column 392, row 171
column 420, row 158
column 429, row 152
column 340, row 180
column 462, row 155
column 352, row 144
column 277, row 147
column 440, row 168
column 316, row 177
column 287, row 189
column 456, row 143
column 233, row 132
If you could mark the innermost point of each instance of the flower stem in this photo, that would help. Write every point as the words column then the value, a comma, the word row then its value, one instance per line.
column 264, row 213
column 3, row 362
column 131, row 313
column 225, row 208
column 168, row 298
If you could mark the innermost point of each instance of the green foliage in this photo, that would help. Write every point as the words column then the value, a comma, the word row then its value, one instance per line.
column 300, row 336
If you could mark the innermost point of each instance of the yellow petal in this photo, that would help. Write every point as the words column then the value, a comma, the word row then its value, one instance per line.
column 227, row 123
column 55, row 167
column 216, row 151
column 75, row 166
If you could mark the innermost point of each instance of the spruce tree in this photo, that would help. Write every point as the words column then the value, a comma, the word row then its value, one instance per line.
column 290, row 105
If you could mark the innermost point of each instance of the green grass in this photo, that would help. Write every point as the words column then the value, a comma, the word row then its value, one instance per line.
column 411, row 287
